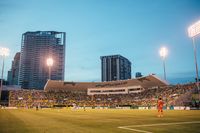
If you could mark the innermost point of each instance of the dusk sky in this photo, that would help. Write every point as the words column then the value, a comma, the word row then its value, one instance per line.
column 135, row 29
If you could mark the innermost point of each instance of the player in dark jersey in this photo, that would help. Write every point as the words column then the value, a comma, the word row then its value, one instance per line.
column 160, row 107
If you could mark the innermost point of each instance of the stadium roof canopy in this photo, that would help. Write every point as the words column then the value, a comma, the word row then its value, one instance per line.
column 145, row 82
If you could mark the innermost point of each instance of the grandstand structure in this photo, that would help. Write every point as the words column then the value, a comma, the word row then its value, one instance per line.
column 111, row 87
column 132, row 93
column 136, row 93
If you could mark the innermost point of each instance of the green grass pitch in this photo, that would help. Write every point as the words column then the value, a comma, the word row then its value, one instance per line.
column 96, row 121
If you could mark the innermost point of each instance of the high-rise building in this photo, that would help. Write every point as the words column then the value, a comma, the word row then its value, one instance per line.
column 13, row 74
column 36, row 48
column 115, row 67
column 138, row 74
column 9, row 77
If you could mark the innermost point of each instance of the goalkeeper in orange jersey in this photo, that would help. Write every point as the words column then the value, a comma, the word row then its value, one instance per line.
column 160, row 107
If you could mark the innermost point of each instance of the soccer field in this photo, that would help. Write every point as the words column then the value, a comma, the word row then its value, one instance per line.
column 98, row 121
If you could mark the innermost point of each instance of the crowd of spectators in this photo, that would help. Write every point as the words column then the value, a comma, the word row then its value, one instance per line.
column 172, row 95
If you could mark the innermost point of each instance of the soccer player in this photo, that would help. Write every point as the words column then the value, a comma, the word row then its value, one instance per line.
column 84, row 107
column 160, row 107
column 37, row 107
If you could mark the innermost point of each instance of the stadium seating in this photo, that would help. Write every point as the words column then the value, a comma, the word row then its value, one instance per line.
column 172, row 95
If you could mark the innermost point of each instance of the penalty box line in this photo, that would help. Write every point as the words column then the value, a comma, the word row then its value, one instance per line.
column 131, row 127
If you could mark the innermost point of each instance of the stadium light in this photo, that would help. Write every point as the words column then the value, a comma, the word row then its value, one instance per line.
column 49, row 64
column 193, row 31
column 3, row 52
column 163, row 53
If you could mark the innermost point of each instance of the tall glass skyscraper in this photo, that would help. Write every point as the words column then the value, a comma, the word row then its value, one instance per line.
column 13, row 74
column 36, row 47
column 115, row 67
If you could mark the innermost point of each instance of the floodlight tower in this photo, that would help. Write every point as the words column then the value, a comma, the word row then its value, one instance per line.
column 163, row 54
column 193, row 31
column 3, row 52
column 49, row 64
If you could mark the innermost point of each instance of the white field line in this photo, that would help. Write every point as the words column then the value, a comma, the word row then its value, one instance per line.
column 141, row 131
column 150, row 125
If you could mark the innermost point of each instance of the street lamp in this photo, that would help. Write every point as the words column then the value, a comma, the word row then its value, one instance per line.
column 163, row 53
column 193, row 31
column 3, row 52
column 49, row 64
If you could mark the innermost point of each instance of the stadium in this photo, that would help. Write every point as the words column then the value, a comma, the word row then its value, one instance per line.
column 133, row 93
column 118, row 106
column 49, row 88
column 91, row 94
